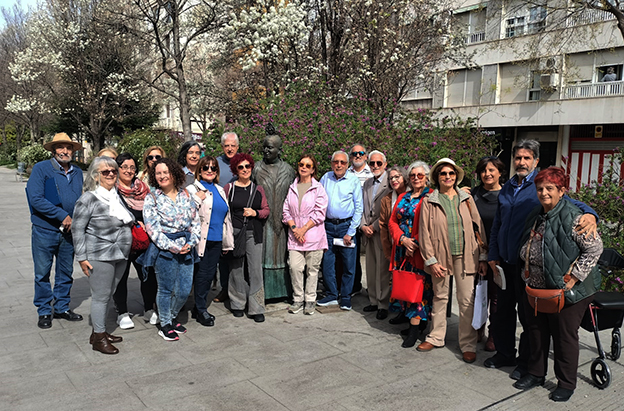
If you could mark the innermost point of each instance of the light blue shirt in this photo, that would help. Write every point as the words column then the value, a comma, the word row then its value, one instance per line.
column 345, row 199
column 516, row 186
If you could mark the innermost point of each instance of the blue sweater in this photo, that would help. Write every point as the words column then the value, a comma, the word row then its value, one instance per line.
column 511, row 216
column 44, row 214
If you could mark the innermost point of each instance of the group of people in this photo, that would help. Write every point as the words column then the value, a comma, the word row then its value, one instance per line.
column 202, row 214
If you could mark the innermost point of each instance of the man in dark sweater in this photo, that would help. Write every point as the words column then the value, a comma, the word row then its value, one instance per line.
column 517, row 199
column 53, row 188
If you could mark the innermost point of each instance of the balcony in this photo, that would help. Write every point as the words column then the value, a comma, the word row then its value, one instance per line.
column 588, row 16
column 588, row 90
column 475, row 38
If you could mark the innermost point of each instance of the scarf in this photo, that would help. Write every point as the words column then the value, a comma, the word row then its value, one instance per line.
column 116, row 209
column 135, row 195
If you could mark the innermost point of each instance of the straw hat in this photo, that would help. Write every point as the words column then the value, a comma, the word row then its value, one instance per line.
column 447, row 161
column 62, row 138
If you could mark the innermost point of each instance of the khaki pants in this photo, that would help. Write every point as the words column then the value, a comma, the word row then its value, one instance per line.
column 297, row 262
column 377, row 273
column 465, row 300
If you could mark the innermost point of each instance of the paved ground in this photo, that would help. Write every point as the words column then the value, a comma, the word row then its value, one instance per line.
column 332, row 361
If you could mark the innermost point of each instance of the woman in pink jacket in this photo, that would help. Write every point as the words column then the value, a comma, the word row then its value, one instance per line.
column 304, row 212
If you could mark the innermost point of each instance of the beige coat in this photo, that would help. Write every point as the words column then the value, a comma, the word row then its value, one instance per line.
column 434, row 238
column 205, row 211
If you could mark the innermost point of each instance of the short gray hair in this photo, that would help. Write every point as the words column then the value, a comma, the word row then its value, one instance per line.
column 229, row 134
column 92, row 180
column 361, row 145
column 417, row 164
column 377, row 152
column 532, row 145
column 339, row 152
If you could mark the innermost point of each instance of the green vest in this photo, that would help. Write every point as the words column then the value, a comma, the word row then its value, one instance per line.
column 560, row 250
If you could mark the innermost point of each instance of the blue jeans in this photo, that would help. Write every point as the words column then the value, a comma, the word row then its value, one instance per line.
column 206, row 273
column 175, row 278
column 329, row 262
column 46, row 245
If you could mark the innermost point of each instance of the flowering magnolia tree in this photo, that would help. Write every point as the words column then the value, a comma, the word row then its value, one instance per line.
column 311, row 119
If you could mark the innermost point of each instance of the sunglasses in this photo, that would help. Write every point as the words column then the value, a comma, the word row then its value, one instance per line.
column 131, row 168
column 156, row 157
column 344, row 163
column 306, row 165
column 447, row 173
column 108, row 173
column 420, row 176
column 393, row 178
column 211, row 168
column 244, row 166
column 376, row 163
column 358, row 153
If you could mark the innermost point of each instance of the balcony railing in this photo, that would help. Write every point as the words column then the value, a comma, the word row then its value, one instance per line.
column 611, row 88
column 475, row 37
column 588, row 16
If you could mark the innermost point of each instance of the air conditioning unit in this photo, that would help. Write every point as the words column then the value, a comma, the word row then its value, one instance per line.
column 549, row 81
column 549, row 64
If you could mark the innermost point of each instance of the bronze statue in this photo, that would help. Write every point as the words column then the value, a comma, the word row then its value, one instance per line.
column 275, row 176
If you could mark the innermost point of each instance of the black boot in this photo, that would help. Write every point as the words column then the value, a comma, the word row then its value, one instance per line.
column 412, row 336
column 399, row 319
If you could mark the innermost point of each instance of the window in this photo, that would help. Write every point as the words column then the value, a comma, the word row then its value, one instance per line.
column 537, row 19
column 515, row 27
column 608, row 73
column 535, row 89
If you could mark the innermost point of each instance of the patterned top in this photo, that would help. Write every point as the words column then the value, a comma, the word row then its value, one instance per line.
column 405, row 210
column 162, row 215
column 455, row 231
column 591, row 249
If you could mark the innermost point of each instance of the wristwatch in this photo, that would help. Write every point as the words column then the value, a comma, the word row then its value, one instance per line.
column 292, row 227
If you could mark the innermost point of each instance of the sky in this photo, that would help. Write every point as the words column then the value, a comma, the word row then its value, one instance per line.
column 10, row 3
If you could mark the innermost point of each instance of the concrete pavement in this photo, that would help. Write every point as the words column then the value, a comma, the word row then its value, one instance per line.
column 329, row 361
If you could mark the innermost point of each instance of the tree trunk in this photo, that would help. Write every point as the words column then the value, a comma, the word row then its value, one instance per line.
column 185, row 105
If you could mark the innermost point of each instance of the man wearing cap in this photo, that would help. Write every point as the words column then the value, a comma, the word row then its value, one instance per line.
column 53, row 188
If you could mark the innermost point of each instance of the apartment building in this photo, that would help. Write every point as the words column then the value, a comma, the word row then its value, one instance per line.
column 544, row 71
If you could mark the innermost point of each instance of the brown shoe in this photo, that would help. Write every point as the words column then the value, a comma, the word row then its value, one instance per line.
column 221, row 297
column 426, row 346
column 469, row 357
column 109, row 337
column 101, row 344
column 489, row 344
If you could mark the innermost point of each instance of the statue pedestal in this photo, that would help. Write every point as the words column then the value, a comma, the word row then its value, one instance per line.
column 277, row 283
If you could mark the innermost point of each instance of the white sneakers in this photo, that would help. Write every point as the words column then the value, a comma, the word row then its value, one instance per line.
column 124, row 321
column 151, row 317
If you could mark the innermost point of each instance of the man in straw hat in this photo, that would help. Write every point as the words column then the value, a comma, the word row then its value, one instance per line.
column 53, row 188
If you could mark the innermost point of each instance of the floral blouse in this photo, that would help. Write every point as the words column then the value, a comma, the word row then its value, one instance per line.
column 162, row 215
column 591, row 249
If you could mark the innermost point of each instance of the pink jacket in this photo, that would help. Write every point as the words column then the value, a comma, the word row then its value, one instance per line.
column 313, row 207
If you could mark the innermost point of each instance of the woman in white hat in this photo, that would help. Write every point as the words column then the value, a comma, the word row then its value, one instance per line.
column 448, row 220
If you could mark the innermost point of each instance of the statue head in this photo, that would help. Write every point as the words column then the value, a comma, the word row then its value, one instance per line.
column 271, row 149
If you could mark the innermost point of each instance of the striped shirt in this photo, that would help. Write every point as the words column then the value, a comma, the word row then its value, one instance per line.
column 455, row 231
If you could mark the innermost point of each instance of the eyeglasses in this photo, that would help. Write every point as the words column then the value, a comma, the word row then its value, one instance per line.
column 244, row 166
column 108, row 173
column 211, row 168
column 376, row 163
column 447, row 173
column 341, row 162
column 393, row 178
column 420, row 176
column 156, row 157
column 306, row 165
column 358, row 153
column 131, row 168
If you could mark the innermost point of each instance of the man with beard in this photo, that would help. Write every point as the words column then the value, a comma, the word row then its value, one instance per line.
column 275, row 176
column 53, row 188
column 377, row 273
column 516, row 200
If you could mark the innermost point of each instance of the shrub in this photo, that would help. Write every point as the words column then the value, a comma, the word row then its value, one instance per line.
column 33, row 154
column 138, row 141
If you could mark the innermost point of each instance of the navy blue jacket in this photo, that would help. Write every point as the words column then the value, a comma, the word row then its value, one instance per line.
column 44, row 214
column 511, row 216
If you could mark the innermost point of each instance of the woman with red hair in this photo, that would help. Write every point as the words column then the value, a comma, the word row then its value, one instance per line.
column 557, row 257
column 249, row 210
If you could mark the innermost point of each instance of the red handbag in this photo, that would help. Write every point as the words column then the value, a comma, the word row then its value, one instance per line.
column 407, row 286
column 140, row 239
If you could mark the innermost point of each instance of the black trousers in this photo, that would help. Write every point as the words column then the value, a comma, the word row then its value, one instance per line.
column 504, row 321
column 563, row 327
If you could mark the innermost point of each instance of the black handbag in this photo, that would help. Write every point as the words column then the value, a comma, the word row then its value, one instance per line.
column 240, row 239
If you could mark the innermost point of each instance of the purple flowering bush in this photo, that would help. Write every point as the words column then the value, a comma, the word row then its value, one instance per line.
column 310, row 119
column 607, row 198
